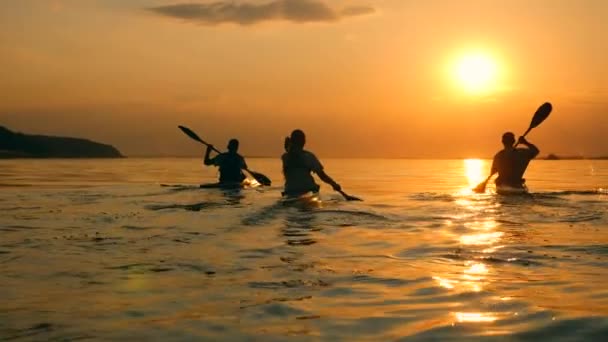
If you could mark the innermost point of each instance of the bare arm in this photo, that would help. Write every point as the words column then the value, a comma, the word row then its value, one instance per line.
column 208, row 160
column 532, row 149
column 324, row 177
column 494, row 169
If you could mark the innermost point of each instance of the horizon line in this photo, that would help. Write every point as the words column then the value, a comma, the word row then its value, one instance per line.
column 546, row 157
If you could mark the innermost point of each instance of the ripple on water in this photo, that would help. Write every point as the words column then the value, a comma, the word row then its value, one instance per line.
column 293, row 283
column 194, row 265
column 199, row 206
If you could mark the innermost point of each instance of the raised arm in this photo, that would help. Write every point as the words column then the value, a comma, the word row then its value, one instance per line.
column 208, row 160
column 532, row 149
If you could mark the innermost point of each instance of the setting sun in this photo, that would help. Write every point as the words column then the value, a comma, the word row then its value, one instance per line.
column 476, row 73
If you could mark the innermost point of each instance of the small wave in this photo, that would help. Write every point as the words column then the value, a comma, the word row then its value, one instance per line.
column 196, row 268
column 281, row 299
column 6, row 261
column 273, row 210
column 15, row 185
column 509, row 223
column 19, row 208
column 129, row 227
column 582, row 218
column 188, row 207
column 444, row 197
column 599, row 191
column 511, row 260
column 589, row 249
column 296, row 283
column 431, row 196
column 14, row 228
column 576, row 329
column 34, row 331
column 141, row 268
column 389, row 282
column 353, row 213
column 185, row 187
column 180, row 187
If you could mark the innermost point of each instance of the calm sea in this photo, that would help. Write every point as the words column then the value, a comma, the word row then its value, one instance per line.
column 98, row 249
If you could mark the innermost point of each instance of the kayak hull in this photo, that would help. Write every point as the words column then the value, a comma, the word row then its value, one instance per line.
column 507, row 190
column 228, row 186
column 309, row 199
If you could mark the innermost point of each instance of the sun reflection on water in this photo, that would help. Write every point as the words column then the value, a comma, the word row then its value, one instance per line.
column 446, row 283
column 474, row 317
column 481, row 239
column 474, row 171
column 478, row 234
column 477, row 268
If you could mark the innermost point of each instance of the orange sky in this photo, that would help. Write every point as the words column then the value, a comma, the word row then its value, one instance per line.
column 363, row 78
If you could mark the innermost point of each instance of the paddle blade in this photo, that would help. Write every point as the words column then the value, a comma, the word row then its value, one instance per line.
column 481, row 188
column 260, row 178
column 353, row 198
column 541, row 114
column 191, row 134
column 349, row 197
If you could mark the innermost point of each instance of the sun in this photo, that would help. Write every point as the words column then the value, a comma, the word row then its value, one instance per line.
column 476, row 72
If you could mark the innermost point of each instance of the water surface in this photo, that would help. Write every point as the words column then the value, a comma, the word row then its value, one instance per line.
column 98, row 249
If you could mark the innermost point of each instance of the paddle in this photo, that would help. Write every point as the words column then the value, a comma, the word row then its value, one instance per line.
column 344, row 194
column 540, row 115
column 262, row 179
column 349, row 197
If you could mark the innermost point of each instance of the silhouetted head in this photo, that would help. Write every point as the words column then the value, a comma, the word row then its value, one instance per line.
column 233, row 145
column 508, row 139
column 297, row 140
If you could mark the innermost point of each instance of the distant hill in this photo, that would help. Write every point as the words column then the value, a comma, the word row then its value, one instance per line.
column 556, row 157
column 19, row 145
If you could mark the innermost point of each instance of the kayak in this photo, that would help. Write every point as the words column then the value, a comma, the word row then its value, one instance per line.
column 309, row 199
column 508, row 190
column 230, row 186
column 224, row 186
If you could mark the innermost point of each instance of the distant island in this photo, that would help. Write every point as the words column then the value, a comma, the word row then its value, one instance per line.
column 552, row 156
column 19, row 145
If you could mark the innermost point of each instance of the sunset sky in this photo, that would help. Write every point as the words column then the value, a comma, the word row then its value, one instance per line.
column 363, row 78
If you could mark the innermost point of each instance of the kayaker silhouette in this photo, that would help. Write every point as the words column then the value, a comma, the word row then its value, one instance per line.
column 231, row 164
column 232, row 172
column 511, row 163
column 298, row 166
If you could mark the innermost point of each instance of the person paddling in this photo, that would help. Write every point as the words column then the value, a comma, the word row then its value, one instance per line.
column 298, row 166
column 230, row 163
column 511, row 163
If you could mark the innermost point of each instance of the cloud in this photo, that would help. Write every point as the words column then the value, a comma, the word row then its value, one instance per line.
column 298, row 11
column 357, row 10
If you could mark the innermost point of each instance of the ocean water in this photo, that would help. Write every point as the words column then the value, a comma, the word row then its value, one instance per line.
column 101, row 250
